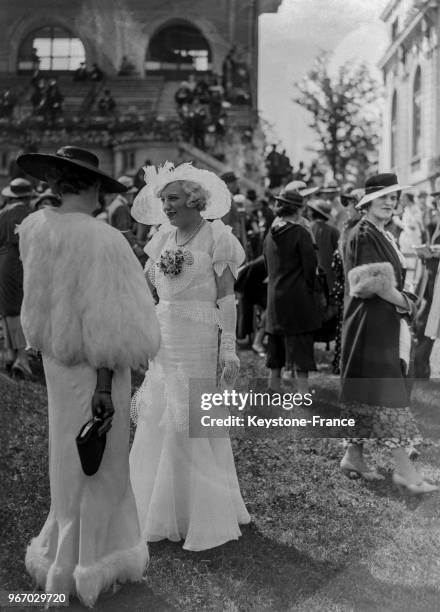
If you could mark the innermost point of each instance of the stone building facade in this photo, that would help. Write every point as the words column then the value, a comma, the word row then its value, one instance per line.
column 146, row 33
column 411, row 73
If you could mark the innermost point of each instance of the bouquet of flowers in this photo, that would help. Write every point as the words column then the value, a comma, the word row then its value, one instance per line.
column 171, row 261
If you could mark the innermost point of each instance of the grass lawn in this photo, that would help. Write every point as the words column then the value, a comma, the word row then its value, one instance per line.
column 317, row 541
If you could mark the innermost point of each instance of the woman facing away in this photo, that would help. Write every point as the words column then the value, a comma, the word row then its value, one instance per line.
column 18, row 195
column 376, row 340
column 89, row 311
column 292, row 313
column 186, row 487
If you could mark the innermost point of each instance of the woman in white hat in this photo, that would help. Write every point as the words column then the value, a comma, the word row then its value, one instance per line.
column 186, row 487
column 376, row 340
column 18, row 195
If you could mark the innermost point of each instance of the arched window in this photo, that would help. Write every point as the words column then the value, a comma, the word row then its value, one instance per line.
column 179, row 46
column 394, row 130
column 51, row 48
column 417, row 114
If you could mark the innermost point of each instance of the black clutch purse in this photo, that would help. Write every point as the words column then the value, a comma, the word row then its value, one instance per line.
column 91, row 446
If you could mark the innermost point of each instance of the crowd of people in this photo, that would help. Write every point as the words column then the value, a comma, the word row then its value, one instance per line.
column 201, row 106
column 307, row 263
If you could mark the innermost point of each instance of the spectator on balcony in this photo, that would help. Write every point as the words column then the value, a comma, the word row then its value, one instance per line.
column 96, row 74
column 275, row 167
column 37, row 97
column 36, row 77
column 191, row 83
column 199, row 126
column 106, row 104
column 52, row 103
column 127, row 67
column 202, row 91
column 81, row 74
column 183, row 95
column 35, row 59
column 7, row 105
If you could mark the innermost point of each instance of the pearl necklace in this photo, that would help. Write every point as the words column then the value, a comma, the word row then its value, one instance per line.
column 192, row 235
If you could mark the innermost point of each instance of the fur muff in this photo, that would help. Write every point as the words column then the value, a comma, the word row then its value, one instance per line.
column 371, row 279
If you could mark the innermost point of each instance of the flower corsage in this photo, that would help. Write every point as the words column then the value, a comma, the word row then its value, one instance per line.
column 171, row 261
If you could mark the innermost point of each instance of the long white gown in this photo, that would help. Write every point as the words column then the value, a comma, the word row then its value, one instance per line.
column 185, row 487
column 86, row 305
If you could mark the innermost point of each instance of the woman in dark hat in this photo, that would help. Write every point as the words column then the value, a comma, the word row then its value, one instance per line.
column 292, row 313
column 376, row 340
column 18, row 195
column 88, row 310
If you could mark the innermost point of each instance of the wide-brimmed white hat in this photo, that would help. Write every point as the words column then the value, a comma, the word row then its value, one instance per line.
column 147, row 206
column 380, row 185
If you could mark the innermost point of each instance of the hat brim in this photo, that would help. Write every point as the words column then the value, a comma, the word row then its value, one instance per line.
column 286, row 201
column 38, row 164
column 316, row 209
column 381, row 192
column 308, row 191
column 8, row 193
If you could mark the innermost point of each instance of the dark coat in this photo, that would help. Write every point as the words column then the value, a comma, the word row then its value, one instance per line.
column 326, row 239
column 11, row 269
column 291, row 264
column 371, row 328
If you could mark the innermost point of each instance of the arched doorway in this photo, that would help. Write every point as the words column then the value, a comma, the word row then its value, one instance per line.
column 52, row 48
column 178, row 47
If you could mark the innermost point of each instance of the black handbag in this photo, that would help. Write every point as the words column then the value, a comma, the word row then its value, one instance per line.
column 91, row 446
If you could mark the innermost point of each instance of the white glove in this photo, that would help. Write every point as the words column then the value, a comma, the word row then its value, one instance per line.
column 228, row 357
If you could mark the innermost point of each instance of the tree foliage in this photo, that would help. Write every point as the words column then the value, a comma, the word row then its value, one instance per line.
column 345, row 116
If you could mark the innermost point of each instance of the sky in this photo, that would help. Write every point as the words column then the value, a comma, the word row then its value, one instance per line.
column 289, row 42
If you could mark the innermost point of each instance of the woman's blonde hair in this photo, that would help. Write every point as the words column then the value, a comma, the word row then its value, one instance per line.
column 197, row 196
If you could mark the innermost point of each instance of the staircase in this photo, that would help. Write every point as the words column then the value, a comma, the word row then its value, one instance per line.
column 167, row 104
column 134, row 94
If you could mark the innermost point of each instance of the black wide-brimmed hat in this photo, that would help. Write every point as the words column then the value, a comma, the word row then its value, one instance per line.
column 380, row 185
column 37, row 165
column 290, row 195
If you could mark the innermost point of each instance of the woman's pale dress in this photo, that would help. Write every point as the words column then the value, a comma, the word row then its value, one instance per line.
column 185, row 487
column 86, row 305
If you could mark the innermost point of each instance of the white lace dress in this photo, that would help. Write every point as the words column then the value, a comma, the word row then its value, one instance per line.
column 185, row 487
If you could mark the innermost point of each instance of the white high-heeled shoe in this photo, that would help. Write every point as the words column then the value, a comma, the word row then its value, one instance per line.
column 351, row 471
column 414, row 488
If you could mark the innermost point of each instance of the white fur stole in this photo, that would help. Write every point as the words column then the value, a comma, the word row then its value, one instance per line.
column 368, row 280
